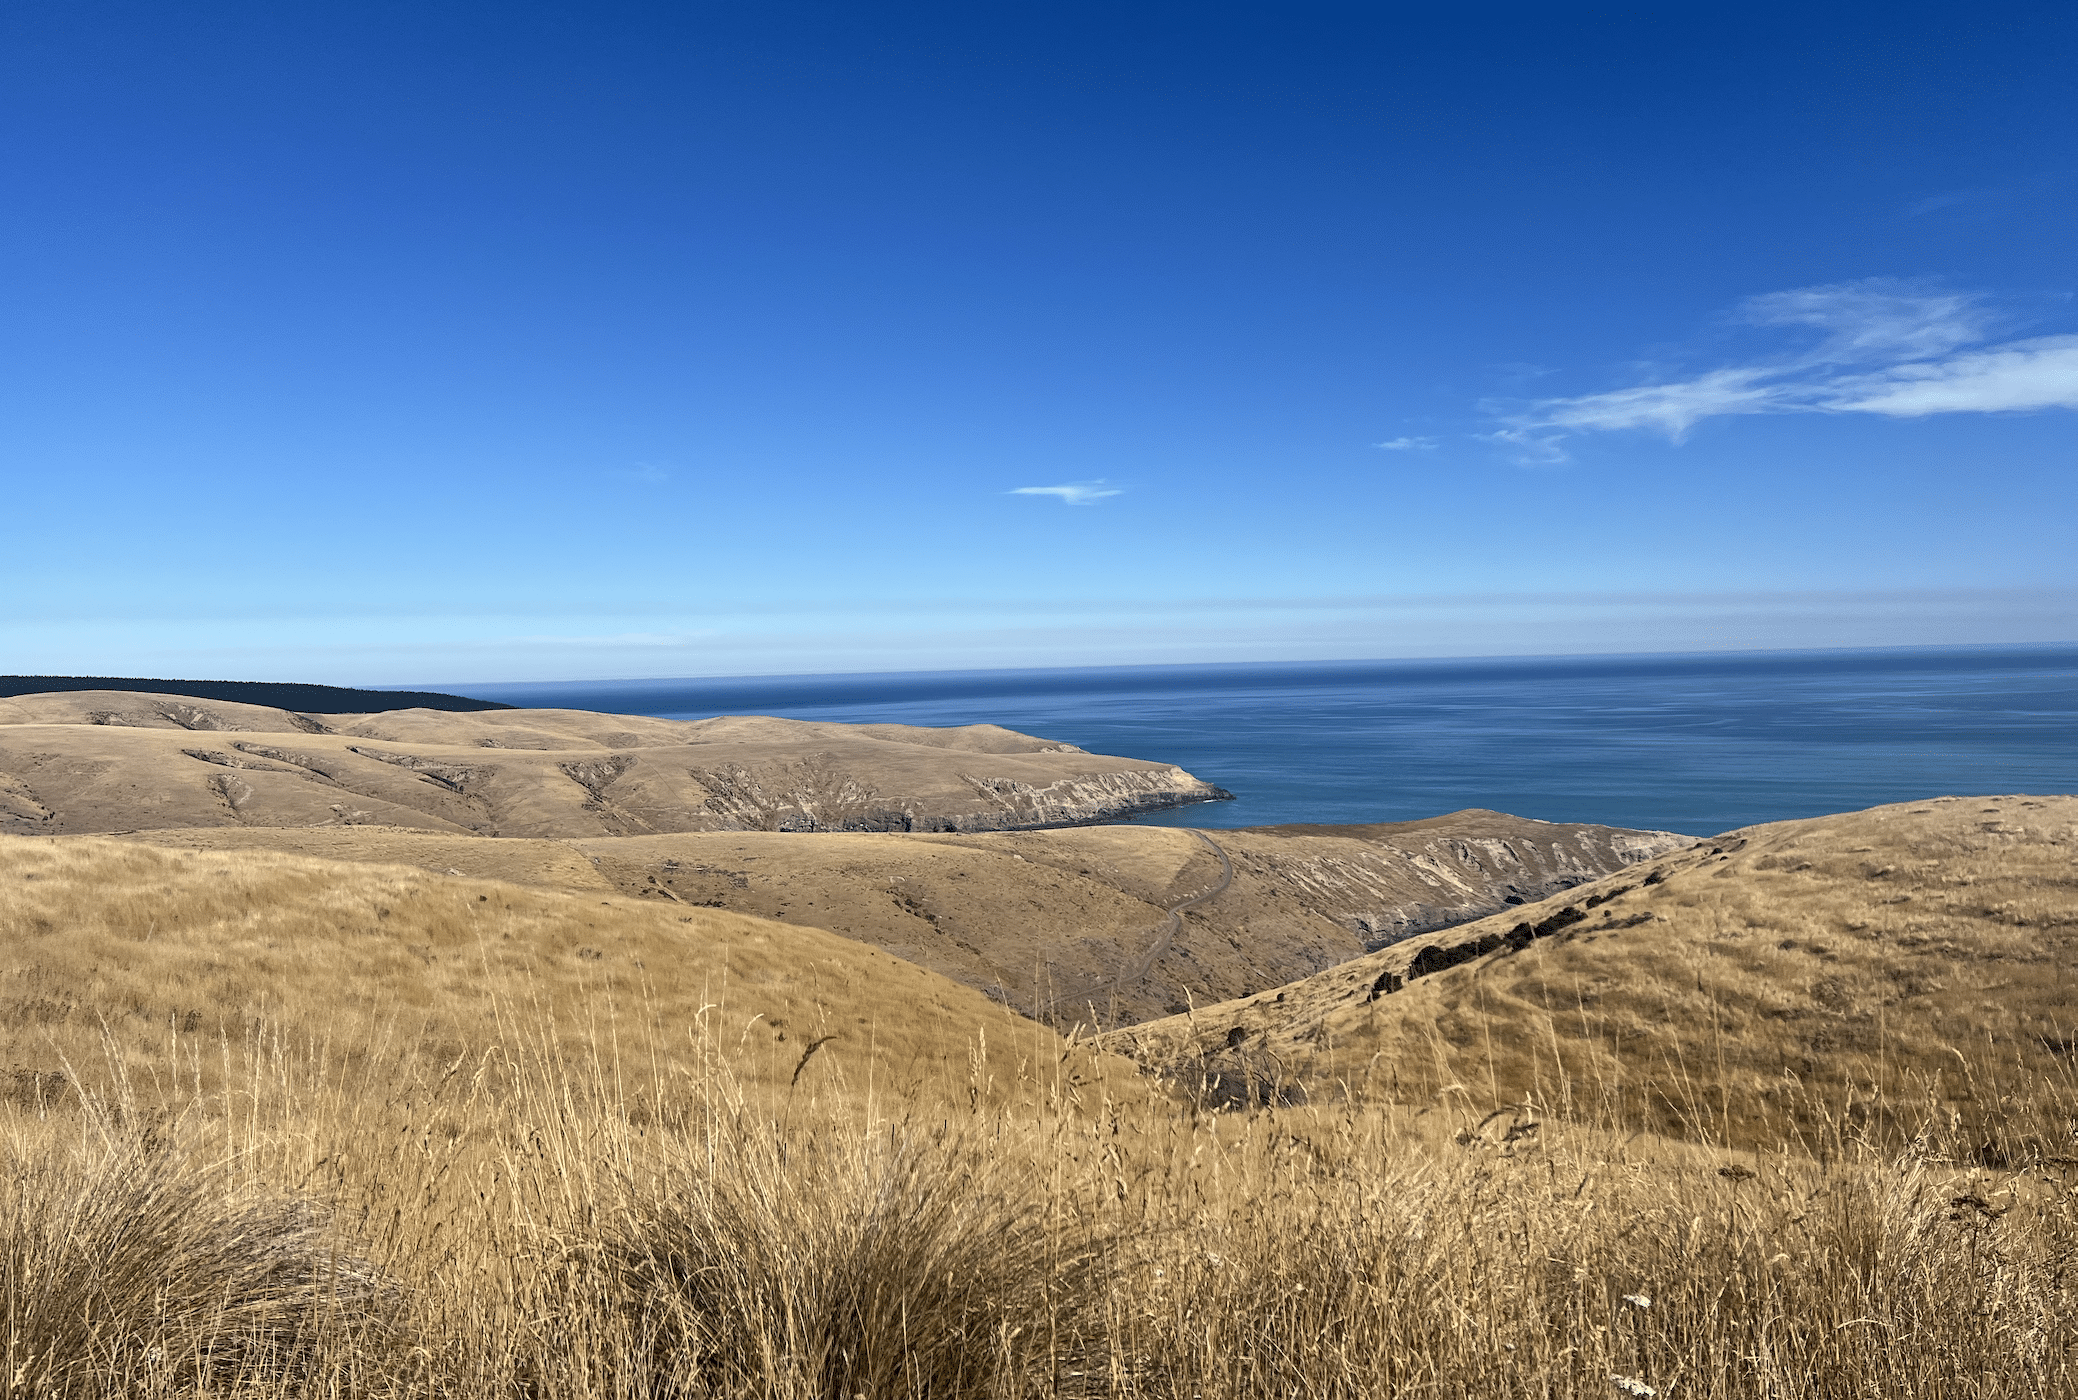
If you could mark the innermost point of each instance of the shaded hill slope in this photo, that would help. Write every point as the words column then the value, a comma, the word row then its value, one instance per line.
column 1051, row 922
column 1922, row 953
column 90, row 761
column 114, row 943
column 287, row 695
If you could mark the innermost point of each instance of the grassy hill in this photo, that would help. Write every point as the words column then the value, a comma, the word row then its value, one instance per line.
column 1054, row 923
column 117, row 955
column 95, row 761
column 1908, row 969
column 280, row 1125
column 758, row 816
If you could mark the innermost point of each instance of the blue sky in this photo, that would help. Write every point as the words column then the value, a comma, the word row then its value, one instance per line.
column 438, row 343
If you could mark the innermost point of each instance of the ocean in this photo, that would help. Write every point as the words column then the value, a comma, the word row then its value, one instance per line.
column 1697, row 743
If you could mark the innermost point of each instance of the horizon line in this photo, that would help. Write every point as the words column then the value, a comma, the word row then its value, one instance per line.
column 1514, row 658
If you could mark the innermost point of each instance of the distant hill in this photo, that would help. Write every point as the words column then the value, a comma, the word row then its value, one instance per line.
column 283, row 695
column 89, row 761
column 942, row 846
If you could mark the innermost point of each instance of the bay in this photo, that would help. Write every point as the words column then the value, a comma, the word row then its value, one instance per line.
column 1698, row 743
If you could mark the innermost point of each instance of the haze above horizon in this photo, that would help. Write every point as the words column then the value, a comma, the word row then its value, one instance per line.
column 377, row 344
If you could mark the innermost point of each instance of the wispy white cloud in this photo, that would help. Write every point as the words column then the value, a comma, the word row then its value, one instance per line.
column 1075, row 493
column 1888, row 348
column 2014, row 377
column 1528, row 446
column 1876, row 319
column 1410, row 444
column 1669, row 408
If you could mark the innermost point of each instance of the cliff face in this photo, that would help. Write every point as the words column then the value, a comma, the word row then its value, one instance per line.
column 87, row 761
column 1389, row 882
column 1306, row 898
column 818, row 793
column 1093, row 797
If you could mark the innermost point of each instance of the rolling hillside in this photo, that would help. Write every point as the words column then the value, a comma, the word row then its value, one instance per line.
column 161, row 957
column 98, row 761
column 1070, row 924
column 1920, row 955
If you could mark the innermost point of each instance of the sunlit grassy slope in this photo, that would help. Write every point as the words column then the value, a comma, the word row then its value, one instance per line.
column 1913, row 962
column 280, row 1126
column 390, row 1228
column 1047, row 921
column 138, row 947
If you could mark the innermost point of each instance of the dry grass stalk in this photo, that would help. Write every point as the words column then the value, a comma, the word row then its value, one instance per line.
column 523, row 1202
column 132, row 1265
column 564, row 1237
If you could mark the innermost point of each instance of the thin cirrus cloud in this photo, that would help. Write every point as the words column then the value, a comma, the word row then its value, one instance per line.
column 1409, row 444
column 1076, row 493
column 1887, row 348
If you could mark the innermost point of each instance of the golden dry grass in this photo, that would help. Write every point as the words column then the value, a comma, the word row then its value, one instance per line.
column 1909, row 965
column 406, row 1234
column 361, row 1171
column 1041, row 919
column 1011, row 912
column 142, row 948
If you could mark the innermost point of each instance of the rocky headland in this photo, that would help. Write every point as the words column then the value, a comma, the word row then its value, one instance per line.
column 103, row 761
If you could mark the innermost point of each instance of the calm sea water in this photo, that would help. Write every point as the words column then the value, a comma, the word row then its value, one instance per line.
column 1694, row 743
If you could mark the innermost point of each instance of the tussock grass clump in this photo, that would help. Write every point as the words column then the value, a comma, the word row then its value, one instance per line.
column 127, row 1263
column 905, row 1262
column 1338, row 1258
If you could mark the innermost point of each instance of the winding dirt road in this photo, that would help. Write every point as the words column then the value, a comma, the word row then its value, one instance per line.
column 1164, row 938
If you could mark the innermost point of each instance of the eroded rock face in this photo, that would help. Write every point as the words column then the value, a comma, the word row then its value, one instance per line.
column 87, row 761
column 22, row 813
column 1307, row 898
column 1009, row 804
column 1392, row 881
